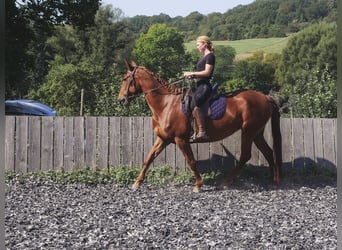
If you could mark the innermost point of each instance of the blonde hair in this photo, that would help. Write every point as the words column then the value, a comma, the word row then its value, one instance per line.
column 206, row 39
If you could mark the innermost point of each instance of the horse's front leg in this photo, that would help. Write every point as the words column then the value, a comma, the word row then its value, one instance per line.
column 159, row 145
column 186, row 149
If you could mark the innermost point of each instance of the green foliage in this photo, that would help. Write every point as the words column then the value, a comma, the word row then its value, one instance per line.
column 86, row 60
column 63, row 87
column 125, row 176
column 224, row 63
column 161, row 50
column 28, row 26
column 253, row 73
column 308, row 72
column 17, row 59
column 313, row 96
column 314, row 47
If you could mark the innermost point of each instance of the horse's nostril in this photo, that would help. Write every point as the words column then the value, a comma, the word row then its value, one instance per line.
column 123, row 101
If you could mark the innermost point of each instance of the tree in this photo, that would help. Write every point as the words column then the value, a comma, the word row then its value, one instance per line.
column 18, row 36
column 313, row 96
column 224, row 63
column 308, row 55
column 254, row 73
column 63, row 87
column 314, row 47
column 90, row 60
column 29, row 24
column 161, row 50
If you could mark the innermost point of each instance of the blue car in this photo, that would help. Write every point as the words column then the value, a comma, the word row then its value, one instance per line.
column 28, row 107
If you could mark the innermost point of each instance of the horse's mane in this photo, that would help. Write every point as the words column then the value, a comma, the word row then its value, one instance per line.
column 169, row 86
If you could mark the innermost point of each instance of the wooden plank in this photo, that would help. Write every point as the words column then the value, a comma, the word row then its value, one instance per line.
column 170, row 153
column 287, row 141
column 254, row 156
column 318, row 140
column 309, row 146
column 231, row 150
column 269, row 140
column 90, row 142
column 47, row 143
column 34, row 143
column 114, row 142
column 237, row 142
column 58, row 143
column 148, row 138
column 335, row 139
column 216, row 157
column 328, row 143
column 203, row 157
column 102, row 143
column 68, row 143
column 79, row 162
column 137, row 141
column 126, row 141
column 180, row 163
column 21, row 144
column 9, row 143
column 298, row 142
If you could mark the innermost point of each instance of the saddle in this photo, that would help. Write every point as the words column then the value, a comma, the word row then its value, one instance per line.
column 213, row 108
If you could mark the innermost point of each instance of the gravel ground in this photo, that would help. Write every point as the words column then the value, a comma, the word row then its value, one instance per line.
column 49, row 215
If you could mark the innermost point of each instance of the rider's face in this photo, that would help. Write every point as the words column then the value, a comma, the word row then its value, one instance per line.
column 201, row 46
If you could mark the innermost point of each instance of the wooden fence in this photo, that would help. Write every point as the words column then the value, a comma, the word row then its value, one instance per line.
column 44, row 143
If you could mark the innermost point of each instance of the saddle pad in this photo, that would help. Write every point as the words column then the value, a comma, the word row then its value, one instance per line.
column 217, row 107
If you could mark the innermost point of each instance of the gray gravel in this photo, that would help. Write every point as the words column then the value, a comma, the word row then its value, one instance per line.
column 78, row 216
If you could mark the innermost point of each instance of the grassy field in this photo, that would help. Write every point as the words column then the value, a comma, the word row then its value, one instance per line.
column 246, row 47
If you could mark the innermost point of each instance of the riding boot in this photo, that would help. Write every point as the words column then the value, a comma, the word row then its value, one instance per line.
column 200, row 121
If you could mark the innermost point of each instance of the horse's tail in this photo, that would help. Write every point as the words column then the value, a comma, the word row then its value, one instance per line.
column 277, row 142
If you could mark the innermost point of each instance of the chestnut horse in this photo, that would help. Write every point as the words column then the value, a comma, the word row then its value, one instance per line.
column 247, row 110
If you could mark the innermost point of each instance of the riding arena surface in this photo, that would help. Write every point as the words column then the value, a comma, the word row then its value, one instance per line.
column 250, row 215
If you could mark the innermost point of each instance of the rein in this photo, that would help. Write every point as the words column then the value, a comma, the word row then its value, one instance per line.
column 132, row 82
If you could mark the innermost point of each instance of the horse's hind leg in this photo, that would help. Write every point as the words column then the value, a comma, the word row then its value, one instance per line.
column 246, row 148
column 158, row 146
column 265, row 149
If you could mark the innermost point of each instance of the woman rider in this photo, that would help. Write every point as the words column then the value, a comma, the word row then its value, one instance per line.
column 204, row 71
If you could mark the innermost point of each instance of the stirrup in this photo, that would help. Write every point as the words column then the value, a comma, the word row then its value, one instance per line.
column 196, row 138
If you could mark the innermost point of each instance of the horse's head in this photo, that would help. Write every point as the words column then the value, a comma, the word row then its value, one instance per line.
column 129, row 86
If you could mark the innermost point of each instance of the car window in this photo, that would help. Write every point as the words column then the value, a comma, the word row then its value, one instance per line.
column 11, row 110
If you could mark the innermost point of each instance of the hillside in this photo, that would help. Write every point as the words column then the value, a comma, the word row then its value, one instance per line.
column 260, row 19
column 247, row 47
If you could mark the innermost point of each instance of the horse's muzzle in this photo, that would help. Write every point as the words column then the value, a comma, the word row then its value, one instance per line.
column 123, row 100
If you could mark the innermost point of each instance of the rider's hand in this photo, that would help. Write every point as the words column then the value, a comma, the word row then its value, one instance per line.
column 189, row 75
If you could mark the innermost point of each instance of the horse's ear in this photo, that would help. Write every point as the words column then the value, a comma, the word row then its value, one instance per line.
column 134, row 64
column 129, row 67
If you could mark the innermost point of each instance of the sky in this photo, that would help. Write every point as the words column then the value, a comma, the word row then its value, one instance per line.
column 173, row 8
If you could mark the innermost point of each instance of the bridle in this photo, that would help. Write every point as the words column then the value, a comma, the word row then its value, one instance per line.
column 132, row 83
column 132, row 80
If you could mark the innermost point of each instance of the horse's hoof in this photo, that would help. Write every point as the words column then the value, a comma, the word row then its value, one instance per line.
column 136, row 185
column 196, row 189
